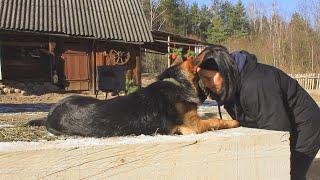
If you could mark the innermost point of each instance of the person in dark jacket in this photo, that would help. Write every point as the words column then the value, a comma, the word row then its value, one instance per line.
column 264, row 97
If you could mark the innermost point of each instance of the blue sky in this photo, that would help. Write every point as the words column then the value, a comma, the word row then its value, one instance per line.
column 287, row 7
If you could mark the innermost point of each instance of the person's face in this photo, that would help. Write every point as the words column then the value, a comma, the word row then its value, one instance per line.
column 211, row 79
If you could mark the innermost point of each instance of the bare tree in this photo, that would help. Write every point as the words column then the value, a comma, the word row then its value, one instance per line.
column 273, row 30
column 289, row 41
column 291, row 49
column 256, row 12
column 316, row 18
column 261, row 15
column 155, row 15
column 316, row 5
column 253, row 14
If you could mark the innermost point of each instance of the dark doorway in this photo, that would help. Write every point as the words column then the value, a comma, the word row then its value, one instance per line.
column 25, row 63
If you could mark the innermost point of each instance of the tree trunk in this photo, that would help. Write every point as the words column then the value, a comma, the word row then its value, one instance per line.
column 291, row 49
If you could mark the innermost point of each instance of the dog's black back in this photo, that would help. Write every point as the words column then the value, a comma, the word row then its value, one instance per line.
column 149, row 110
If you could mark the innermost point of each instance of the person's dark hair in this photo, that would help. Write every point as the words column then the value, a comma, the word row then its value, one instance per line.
column 219, row 59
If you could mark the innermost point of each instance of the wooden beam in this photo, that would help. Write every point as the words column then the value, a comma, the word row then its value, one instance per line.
column 26, row 44
column 239, row 153
column 179, row 43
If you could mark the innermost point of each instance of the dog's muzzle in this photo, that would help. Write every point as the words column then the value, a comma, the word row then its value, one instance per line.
column 202, row 92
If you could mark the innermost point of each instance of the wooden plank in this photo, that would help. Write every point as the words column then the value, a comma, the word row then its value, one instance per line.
column 239, row 153
column 77, row 71
column 318, row 81
column 100, row 59
column 314, row 78
column 93, row 67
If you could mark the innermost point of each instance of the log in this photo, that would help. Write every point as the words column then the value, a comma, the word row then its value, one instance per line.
column 239, row 153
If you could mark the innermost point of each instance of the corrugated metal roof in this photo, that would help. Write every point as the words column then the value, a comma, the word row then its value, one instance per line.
column 122, row 20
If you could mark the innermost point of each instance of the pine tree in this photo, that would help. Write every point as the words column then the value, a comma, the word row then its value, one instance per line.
column 241, row 21
column 205, row 21
column 175, row 16
column 220, row 28
column 217, row 33
column 194, row 19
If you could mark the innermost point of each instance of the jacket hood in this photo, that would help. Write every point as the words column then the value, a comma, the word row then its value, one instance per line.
column 245, row 61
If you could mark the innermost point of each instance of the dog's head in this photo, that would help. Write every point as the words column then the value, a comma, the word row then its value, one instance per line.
column 217, row 58
column 185, row 73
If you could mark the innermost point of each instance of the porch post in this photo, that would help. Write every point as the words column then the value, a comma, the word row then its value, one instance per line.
column 169, row 61
column 138, row 66
column 51, row 48
column 0, row 60
column 93, row 62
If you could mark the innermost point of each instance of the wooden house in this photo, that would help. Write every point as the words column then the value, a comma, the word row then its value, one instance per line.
column 70, row 38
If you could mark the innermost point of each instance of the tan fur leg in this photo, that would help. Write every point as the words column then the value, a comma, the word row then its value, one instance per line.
column 192, row 123
column 206, row 125
column 223, row 124
column 183, row 130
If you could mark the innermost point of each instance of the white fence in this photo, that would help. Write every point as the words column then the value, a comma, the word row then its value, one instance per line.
column 308, row 81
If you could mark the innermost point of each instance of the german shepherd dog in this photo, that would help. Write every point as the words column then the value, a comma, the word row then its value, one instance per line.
column 168, row 106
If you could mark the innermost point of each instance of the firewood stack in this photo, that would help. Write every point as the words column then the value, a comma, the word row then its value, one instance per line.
column 24, row 89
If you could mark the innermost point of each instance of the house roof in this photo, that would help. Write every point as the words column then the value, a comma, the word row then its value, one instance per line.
column 121, row 20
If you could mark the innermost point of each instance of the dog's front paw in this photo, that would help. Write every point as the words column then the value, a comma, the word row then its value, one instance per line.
column 233, row 123
column 186, row 130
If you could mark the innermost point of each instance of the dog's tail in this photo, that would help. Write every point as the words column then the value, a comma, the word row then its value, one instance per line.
column 37, row 122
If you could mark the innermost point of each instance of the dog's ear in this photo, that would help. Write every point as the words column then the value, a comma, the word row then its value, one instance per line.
column 199, row 58
column 177, row 61
column 195, row 63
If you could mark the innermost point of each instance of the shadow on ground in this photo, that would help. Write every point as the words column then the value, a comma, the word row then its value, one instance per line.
column 19, row 108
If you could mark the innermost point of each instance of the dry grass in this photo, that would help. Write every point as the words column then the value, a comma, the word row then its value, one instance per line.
column 22, row 133
column 315, row 94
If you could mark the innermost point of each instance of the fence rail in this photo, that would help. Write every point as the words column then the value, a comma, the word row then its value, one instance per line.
column 308, row 81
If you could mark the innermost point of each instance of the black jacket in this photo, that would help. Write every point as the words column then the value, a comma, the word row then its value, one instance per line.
column 267, row 98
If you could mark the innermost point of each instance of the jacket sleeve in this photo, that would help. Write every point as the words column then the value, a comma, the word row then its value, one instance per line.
column 263, row 101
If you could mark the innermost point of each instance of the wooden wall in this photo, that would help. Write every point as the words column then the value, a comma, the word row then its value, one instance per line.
column 134, row 64
column 75, row 58
column 82, row 57
column 22, row 57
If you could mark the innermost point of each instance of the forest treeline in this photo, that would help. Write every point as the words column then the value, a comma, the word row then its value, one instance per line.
column 288, row 41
